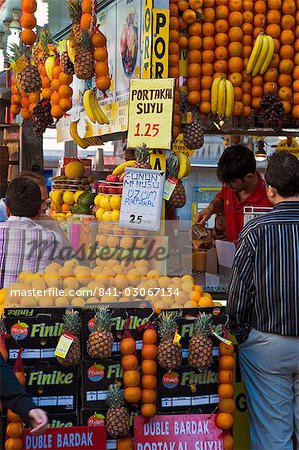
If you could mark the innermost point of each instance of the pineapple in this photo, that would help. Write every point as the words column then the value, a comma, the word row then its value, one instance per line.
column 142, row 155
column 66, row 64
column 45, row 39
column 28, row 79
column 75, row 11
column 169, row 353
column 34, row 55
column 72, row 325
column 201, row 346
column 117, row 417
column 84, row 60
column 193, row 133
column 100, row 341
column 178, row 197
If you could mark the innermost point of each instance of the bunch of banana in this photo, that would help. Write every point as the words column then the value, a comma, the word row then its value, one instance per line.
column 261, row 55
column 119, row 170
column 83, row 142
column 93, row 109
column 184, row 165
column 71, row 48
column 49, row 64
column 222, row 97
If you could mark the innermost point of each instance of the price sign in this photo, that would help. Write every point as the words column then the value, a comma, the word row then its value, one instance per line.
column 142, row 196
column 290, row 145
column 150, row 113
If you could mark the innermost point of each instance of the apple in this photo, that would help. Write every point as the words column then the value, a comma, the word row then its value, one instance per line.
column 112, row 190
column 121, row 178
column 104, row 188
column 112, row 178
column 119, row 190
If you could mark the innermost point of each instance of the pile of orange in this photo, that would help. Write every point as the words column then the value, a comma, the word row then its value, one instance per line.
column 225, row 417
column 88, row 14
column 28, row 103
column 149, row 370
column 28, row 22
column 100, row 53
column 16, row 98
column 131, row 376
column 61, row 97
column 177, row 42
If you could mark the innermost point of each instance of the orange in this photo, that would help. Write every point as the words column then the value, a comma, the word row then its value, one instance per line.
column 286, row 66
column 183, row 25
column 238, row 109
column 221, row 39
column 127, row 346
column 246, row 87
column 208, row 43
column 148, row 410
column 65, row 207
column 274, row 4
column 227, row 405
column 56, row 71
column 238, row 93
column 295, row 112
column 222, row 12
column 149, row 351
column 296, row 98
column 285, row 93
column 248, row 18
column 224, row 421
column 208, row 29
column 207, row 69
column 297, row 31
column 194, row 56
column 288, row 22
column 129, row 362
column 183, row 42
column 289, row 7
column 270, row 87
column 271, row 74
column 235, row 34
column 273, row 30
column 225, row 390
column 284, row 80
column 297, row 45
column 247, row 39
column 131, row 378
column 235, row 64
column 287, row 106
column 148, row 396
column 28, row 21
column 195, row 43
column 257, row 80
column 257, row 31
column 235, row 49
column 247, row 111
column 247, row 49
column 194, row 29
column 220, row 66
column 65, row 104
column 28, row 37
column 173, row 60
column 236, row 79
column 225, row 376
column 221, row 53
column 274, row 61
column 16, row 99
column 286, row 51
column 149, row 367
column 126, row 443
column 260, row 6
column 65, row 78
column 225, row 349
column 29, row 6
column 174, row 10
column 14, row 430
column 208, row 3
column 208, row 56
column 209, row 15
column 183, row 5
column 206, row 82
column 287, row 37
column 259, row 20
column 99, row 39
column 228, row 442
column 32, row 106
column 55, row 85
column 193, row 99
column 149, row 381
column 15, row 109
column 56, row 112
column 226, row 362
column 194, row 70
column 235, row 19
column 132, row 394
column 221, row 26
column 55, row 98
column 248, row 5
column 276, row 45
column 174, row 23
column 273, row 16
column 235, row 5
column 13, row 444
column 13, row 417
column 205, row 96
column 65, row 91
column 296, row 86
column 46, row 82
column 189, row 16
column 205, row 107
column 174, row 36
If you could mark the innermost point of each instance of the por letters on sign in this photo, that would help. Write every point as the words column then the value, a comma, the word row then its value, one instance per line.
column 178, row 432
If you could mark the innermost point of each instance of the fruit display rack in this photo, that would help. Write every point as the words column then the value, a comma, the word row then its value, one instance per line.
column 70, row 185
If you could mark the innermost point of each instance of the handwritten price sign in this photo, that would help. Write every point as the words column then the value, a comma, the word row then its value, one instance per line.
column 150, row 113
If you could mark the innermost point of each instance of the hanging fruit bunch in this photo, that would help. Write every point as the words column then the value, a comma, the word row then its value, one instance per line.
column 72, row 325
column 26, row 74
column 100, row 54
column 201, row 346
column 88, row 17
column 42, row 118
column 149, row 371
column 15, row 98
column 74, row 9
column 117, row 417
column 174, row 62
column 14, row 431
column 100, row 341
column 84, row 59
column 178, row 196
column 193, row 132
column 129, row 362
column 45, row 51
column 169, row 350
column 28, row 22
column 272, row 111
column 225, row 418
column 223, row 98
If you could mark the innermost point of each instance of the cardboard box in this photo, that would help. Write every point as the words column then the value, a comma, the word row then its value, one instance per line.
column 96, row 379
column 63, row 420
column 138, row 317
column 37, row 330
column 53, row 388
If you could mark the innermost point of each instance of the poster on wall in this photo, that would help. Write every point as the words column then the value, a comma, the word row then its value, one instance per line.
column 128, row 42
column 107, row 22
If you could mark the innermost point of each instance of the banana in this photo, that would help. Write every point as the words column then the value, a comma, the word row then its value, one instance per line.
column 88, row 105
column 74, row 133
column 230, row 99
column 183, row 165
column 221, row 97
column 262, row 56
column 49, row 65
column 71, row 49
column 214, row 95
column 269, row 55
column 255, row 54
column 120, row 169
column 99, row 114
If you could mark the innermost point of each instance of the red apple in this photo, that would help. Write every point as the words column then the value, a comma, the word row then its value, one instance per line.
column 119, row 190
column 121, row 179
column 112, row 190
column 112, row 178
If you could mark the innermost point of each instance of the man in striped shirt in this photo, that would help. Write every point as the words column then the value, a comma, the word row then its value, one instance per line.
column 263, row 305
column 24, row 245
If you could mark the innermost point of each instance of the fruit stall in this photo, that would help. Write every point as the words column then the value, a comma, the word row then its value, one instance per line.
column 125, row 334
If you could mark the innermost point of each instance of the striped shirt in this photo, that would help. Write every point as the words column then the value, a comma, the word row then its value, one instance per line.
column 264, row 285
column 25, row 246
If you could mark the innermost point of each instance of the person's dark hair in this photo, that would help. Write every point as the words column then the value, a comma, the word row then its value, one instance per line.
column 282, row 173
column 39, row 179
column 23, row 197
column 236, row 162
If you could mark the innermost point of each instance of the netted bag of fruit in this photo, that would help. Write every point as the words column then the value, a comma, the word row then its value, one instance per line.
column 129, row 362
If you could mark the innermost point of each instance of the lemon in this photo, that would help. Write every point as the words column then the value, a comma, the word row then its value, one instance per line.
column 77, row 195
column 105, row 203
column 115, row 201
column 98, row 198
column 68, row 198
column 115, row 215
column 60, row 216
column 107, row 216
column 99, row 213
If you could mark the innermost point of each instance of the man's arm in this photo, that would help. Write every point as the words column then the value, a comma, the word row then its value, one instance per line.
column 216, row 206
column 241, row 292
